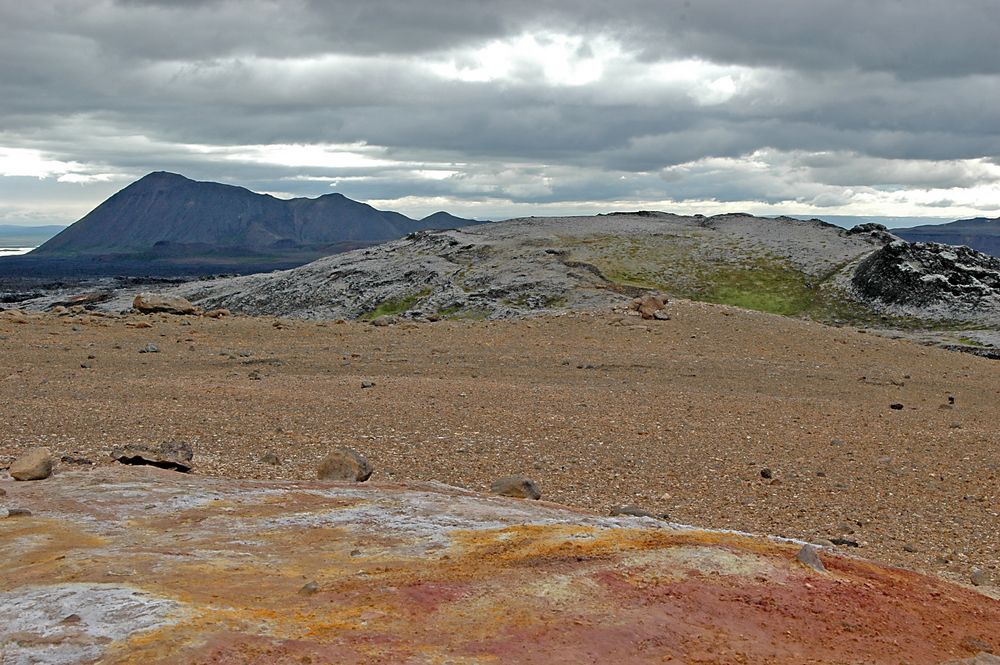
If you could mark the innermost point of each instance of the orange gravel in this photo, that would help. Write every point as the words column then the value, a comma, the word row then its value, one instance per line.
column 677, row 417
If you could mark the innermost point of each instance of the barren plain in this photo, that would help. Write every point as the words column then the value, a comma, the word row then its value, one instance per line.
column 685, row 417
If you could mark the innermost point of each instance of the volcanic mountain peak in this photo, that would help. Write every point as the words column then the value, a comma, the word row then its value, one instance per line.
column 195, row 218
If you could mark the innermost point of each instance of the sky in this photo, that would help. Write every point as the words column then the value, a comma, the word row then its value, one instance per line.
column 504, row 108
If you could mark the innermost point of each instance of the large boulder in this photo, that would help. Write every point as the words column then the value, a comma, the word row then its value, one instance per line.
column 175, row 455
column 36, row 464
column 344, row 464
column 518, row 487
column 151, row 303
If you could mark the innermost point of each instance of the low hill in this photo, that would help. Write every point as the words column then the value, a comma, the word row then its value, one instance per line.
column 981, row 234
column 166, row 217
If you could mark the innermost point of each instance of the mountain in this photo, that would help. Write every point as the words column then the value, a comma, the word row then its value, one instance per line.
column 981, row 234
column 169, row 215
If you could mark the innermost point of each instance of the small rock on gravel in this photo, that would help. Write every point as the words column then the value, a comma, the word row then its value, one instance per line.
column 344, row 464
column 979, row 577
column 896, row 406
column 308, row 589
column 516, row 486
column 35, row 464
column 18, row 512
column 808, row 556
column 150, row 348
column 910, row 547
column 766, row 473
column 367, row 384
column 382, row 321
column 270, row 458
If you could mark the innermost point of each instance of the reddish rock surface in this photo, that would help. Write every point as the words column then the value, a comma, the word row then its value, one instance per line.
column 128, row 565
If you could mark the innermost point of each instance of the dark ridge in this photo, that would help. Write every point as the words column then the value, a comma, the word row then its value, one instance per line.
column 169, row 220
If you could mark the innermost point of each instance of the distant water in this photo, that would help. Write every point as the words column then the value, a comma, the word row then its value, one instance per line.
column 14, row 251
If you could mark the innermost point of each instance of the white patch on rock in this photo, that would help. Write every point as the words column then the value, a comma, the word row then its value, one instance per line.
column 74, row 623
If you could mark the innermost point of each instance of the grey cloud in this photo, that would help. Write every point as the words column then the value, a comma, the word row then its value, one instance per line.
column 854, row 93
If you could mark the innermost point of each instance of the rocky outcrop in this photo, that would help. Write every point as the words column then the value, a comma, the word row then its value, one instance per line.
column 135, row 564
column 929, row 279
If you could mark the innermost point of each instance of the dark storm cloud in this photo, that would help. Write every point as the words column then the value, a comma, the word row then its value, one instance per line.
column 837, row 99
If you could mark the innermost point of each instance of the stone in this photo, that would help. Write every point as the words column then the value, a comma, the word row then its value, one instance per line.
column 648, row 306
column 217, row 313
column 270, row 458
column 18, row 512
column 845, row 542
column 254, row 375
column 976, row 645
column 73, row 459
column 150, row 348
column 36, row 464
column 175, row 455
column 519, row 487
column 896, row 406
column 151, row 303
column 308, row 589
column 344, row 464
column 766, row 473
column 631, row 511
column 367, row 384
column 382, row 321
column 910, row 547
column 809, row 556
column 979, row 577
column 983, row 658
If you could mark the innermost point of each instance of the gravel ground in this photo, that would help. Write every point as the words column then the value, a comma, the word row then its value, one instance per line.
column 678, row 417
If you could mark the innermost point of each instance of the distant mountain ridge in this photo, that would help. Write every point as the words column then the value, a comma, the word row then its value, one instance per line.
column 169, row 214
column 980, row 233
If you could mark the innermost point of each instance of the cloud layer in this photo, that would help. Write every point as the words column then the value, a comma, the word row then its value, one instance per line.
column 498, row 109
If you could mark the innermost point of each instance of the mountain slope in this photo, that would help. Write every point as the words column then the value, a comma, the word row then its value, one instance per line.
column 168, row 211
column 981, row 234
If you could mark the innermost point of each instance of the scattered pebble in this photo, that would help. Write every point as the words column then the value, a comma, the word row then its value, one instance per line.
column 979, row 577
